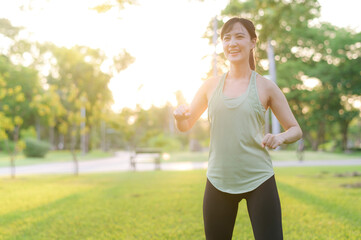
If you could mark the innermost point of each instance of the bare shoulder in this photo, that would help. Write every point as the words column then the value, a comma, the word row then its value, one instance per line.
column 210, row 86
column 265, row 88
column 212, row 80
column 265, row 83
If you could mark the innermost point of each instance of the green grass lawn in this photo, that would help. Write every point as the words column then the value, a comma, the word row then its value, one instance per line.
column 52, row 156
column 284, row 155
column 168, row 205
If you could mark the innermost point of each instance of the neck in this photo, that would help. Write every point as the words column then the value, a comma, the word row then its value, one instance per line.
column 239, row 70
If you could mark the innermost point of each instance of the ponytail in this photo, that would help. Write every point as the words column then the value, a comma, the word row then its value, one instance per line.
column 252, row 60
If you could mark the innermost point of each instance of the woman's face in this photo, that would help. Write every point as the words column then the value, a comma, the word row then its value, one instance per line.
column 237, row 43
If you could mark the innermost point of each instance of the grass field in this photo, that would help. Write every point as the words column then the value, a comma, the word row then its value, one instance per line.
column 168, row 205
column 52, row 156
column 284, row 155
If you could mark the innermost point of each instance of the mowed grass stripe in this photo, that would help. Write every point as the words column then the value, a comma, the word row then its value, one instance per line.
column 35, row 222
column 302, row 221
column 162, row 205
column 330, row 206
column 128, row 206
column 320, row 186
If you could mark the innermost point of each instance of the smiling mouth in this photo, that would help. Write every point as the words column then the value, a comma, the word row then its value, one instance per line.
column 234, row 52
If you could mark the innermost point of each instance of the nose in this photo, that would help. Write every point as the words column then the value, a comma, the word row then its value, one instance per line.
column 232, row 41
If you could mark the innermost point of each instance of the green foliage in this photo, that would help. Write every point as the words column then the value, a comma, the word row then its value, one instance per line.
column 36, row 148
column 138, row 126
column 166, row 143
column 28, row 133
column 7, row 146
column 328, row 146
column 18, row 85
column 7, row 29
column 304, row 50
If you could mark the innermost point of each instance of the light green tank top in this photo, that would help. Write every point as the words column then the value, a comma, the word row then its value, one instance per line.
column 237, row 162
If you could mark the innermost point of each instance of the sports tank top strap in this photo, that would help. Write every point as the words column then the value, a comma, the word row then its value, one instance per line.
column 215, row 94
column 253, row 96
column 221, row 84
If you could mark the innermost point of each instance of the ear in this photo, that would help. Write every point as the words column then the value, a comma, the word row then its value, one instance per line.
column 253, row 40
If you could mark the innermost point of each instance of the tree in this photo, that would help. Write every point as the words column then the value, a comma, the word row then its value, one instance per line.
column 330, row 54
column 18, row 85
column 304, row 51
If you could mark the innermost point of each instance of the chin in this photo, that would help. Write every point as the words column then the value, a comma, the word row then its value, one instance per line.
column 235, row 60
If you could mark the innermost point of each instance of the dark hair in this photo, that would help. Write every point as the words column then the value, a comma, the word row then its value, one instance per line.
column 250, row 29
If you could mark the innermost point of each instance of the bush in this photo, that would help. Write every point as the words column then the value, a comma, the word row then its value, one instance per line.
column 166, row 143
column 7, row 145
column 36, row 148
column 328, row 146
column 28, row 133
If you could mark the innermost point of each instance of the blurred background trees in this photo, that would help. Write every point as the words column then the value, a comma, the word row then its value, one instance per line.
column 61, row 96
column 316, row 65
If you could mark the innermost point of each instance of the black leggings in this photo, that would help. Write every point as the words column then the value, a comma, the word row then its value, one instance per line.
column 264, row 210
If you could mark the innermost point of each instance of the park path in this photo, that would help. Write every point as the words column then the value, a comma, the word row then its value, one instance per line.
column 120, row 162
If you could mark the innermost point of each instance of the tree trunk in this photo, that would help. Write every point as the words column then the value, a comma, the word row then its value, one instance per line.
column 52, row 137
column 314, row 143
column 103, row 135
column 344, row 129
column 321, row 134
column 87, row 140
column 38, row 130
column 73, row 152
column 13, row 153
column 12, row 165
column 61, row 143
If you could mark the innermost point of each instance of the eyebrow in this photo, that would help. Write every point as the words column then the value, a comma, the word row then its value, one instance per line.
column 227, row 34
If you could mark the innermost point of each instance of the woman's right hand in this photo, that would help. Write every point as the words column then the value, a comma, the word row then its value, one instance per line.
column 182, row 112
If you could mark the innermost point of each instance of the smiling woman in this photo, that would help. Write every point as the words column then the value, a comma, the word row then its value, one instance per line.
column 234, row 30
column 239, row 165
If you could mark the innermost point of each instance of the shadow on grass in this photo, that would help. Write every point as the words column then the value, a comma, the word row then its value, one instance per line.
column 327, row 206
column 36, row 218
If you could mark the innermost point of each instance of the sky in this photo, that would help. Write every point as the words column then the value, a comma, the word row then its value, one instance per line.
column 164, row 36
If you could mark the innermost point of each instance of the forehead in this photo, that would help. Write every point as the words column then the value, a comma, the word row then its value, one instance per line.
column 237, row 28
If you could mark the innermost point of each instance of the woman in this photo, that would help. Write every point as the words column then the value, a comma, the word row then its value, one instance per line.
column 239, row 165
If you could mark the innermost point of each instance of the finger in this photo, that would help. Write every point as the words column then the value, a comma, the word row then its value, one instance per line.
column 179, row 110
column 265, row 140
column 176, row 112
column 185, row 109
column 181, row 115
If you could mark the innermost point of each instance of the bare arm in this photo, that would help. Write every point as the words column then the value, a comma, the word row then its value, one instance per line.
column 186, row 116
column 281, row 109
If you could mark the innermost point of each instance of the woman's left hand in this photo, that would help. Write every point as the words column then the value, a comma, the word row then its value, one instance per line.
column 272, row 141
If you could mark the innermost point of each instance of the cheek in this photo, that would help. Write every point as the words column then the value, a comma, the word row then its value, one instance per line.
column 225, row 51
column 225, row 46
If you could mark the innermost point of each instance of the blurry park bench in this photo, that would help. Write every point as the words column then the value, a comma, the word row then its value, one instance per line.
column 146, row 155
